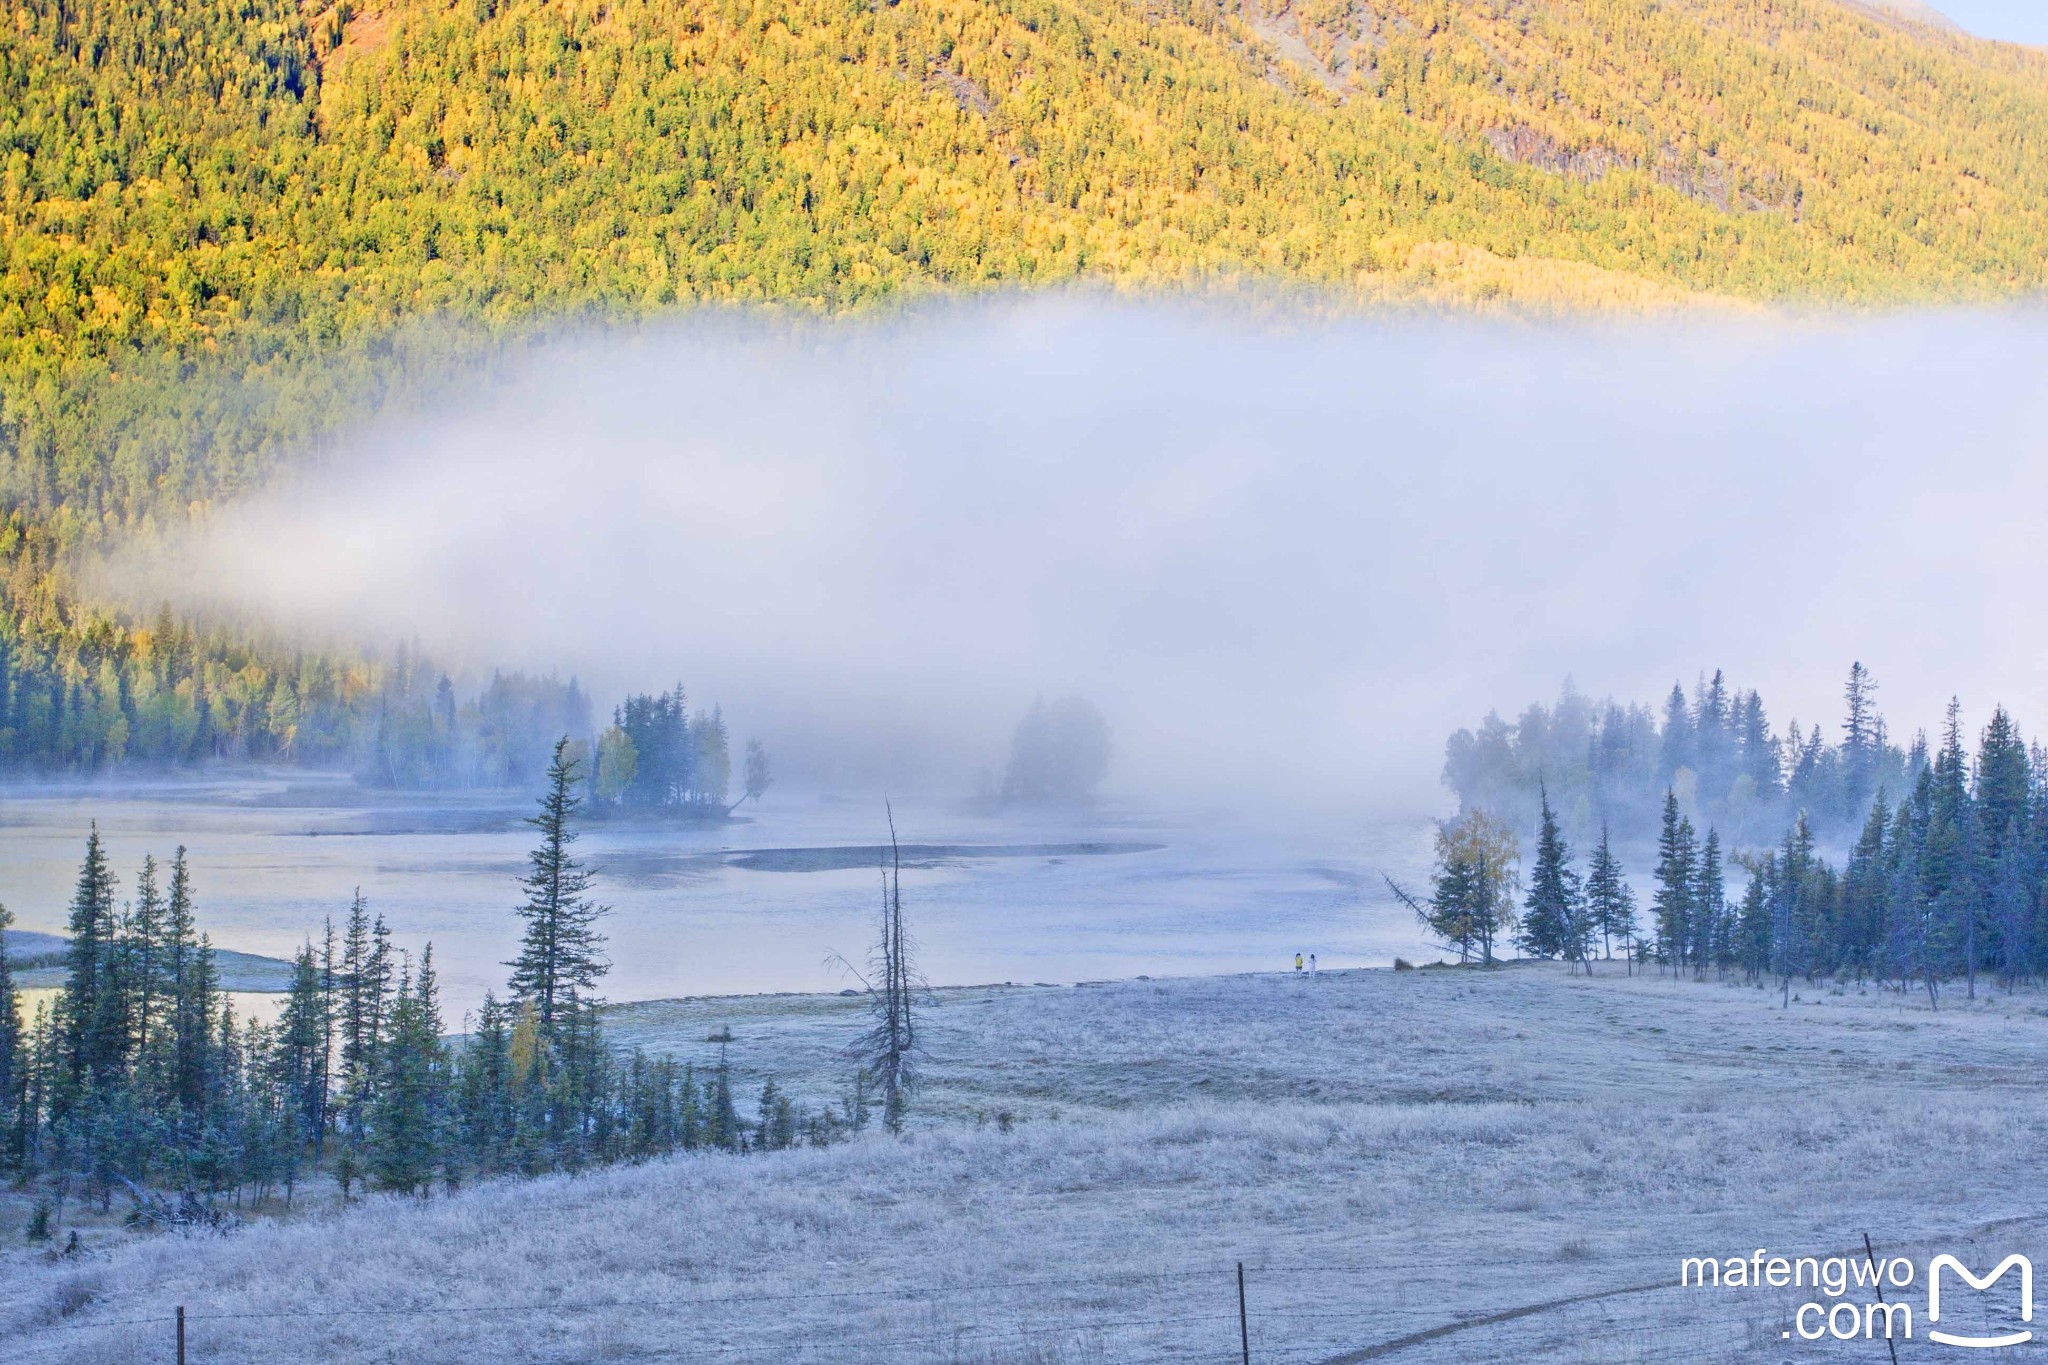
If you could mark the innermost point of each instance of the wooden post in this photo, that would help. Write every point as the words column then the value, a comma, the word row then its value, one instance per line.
column 1244, row 1329
column 181, row 1334
column 1877, row 1278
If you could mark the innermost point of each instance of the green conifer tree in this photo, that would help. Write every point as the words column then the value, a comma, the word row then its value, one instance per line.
column 1610, row 903
column 91, row 1015
column 1553, row 925
column 408, row 1109
column 561, row 954
column 13, row 1059
column 1672, row 905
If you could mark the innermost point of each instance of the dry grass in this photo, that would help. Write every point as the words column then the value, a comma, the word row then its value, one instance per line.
column 1388, row 1153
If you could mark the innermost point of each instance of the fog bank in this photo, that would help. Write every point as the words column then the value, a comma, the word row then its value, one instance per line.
column 1284, row 560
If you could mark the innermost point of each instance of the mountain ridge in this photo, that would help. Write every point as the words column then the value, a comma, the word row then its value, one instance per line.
column 1913, row 11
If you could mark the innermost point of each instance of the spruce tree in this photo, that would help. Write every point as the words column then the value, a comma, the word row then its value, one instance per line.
column 407, row 1116
column 2012, row 908
column 1710, row 908
column 378, row 972
column 193, row 983
column 13, row 1062
column 1759, row 750
column 1676, row 750
column 352, row 989
column 2003, row 778
column 1862, row 740
column 1753, row 923
column 484, row 1087
column 1672, row 904
column 330, row 997
column 147, row 967
column 300, row 1042
column 1792, row 897
column 1865, row 887
column 561, row 954
column 1552, row 925
column 722, row 1118
column 91, row 1015
column 1610, row 903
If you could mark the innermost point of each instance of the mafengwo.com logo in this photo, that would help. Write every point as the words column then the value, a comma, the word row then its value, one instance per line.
column 1861, row 1298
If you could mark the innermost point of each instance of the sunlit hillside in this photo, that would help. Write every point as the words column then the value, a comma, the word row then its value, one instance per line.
column 261, row 180
column 217, row 219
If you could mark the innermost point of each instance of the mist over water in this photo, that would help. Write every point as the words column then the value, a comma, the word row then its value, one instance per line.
column 1284, row 559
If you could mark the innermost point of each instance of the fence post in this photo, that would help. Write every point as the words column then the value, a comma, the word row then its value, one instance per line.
column 181, row 1334
column 1877, row 1278
column 1244, row 1329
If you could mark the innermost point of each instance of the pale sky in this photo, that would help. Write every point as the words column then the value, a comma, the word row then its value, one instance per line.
column 2019, row 21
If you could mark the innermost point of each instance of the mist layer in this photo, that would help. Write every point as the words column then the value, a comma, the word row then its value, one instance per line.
column 1285, row 560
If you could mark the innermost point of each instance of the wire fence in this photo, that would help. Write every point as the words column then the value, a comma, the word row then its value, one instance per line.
column 1270, row 1312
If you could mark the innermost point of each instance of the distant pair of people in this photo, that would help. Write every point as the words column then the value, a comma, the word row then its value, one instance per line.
column 1311, row 963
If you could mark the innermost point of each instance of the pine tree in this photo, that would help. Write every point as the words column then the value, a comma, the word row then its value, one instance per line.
column 1917, row 939
column 1753, row 922
column 91, row 1007
column 146, row 956
column 2003, row 778
column 776, row 1130
column 1552, row 923
column 378, row 971
column 2012, row 907
column 485, row 1087
column 1951, row 868
column 194, row 983
column 1713, row 735
column 1866, row 886
column 1672, row 906
column 407, row 1116
column 13, row 1061
column 562, row 953
column 1677, row 749
column 300, row 1047
column 722, row 1118
column 1792, row 906
column 1709, row 908
column 1862, row 740
column 1759, row 750
column 358, row 1036
column 1610, row 903
column 330, row 1001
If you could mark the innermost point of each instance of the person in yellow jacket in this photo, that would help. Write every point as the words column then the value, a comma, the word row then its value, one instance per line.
column 1297, row 962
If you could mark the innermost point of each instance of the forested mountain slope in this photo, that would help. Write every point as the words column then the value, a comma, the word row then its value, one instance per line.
column 216, row 217
column 255, row 179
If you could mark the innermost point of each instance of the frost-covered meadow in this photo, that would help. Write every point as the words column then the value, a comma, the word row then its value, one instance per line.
column 1388, row 1153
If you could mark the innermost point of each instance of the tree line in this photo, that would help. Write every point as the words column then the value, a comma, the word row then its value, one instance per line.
column 1945, row 879
column 139, row 1077
column 1605, row 763
column 112, row 697
column 115, row 698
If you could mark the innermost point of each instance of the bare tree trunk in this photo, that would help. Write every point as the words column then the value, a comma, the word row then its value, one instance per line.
column 891, row 1043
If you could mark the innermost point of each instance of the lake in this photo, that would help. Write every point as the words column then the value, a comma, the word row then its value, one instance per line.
column 761, row 903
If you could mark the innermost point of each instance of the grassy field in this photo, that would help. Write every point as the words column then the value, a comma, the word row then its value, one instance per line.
column 1439, row 1165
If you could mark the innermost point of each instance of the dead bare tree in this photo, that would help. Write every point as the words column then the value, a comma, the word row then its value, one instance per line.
column 888, row 1051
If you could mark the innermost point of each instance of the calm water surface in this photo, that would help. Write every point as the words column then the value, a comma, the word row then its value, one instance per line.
column 756, row 904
